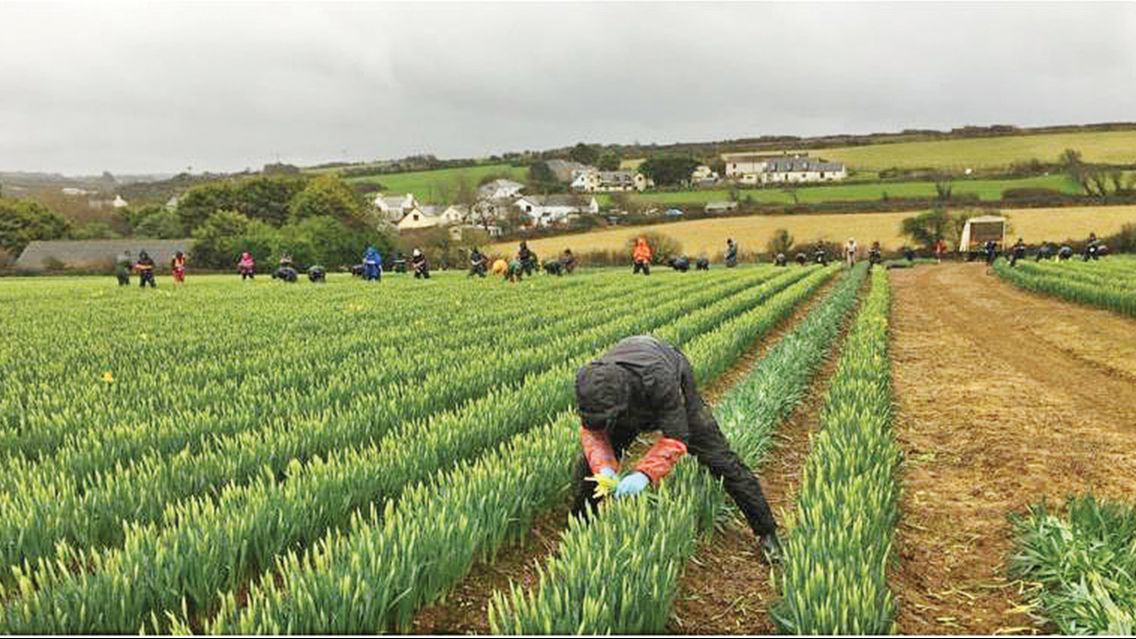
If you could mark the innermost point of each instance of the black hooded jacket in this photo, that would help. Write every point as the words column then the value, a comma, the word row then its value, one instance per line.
column 657, row 398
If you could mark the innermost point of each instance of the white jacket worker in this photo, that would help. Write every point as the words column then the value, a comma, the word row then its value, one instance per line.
column 850, row 252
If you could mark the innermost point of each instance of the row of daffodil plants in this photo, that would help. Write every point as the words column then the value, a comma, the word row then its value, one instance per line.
column 619, row 573
column 839, row 546
column 390, row 562
column 92, row 514
column 201, row 545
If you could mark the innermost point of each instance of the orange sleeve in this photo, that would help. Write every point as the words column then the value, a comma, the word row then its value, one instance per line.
column 597, row 450
column 660, row 460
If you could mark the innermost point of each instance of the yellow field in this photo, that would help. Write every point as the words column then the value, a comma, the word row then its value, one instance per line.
column 1114, row 147
column 708, row 237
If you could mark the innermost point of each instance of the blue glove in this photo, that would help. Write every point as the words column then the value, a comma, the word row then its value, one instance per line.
column 608, row 472
column 632, row 484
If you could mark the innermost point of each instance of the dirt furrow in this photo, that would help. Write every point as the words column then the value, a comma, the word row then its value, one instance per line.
column 1004, row 398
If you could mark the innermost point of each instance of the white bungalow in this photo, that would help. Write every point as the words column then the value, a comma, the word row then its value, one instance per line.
column 554, row 209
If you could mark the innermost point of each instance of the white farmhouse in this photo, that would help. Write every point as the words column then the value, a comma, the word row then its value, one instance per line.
column 703, row 174
column 746, row 167
column 498, row 189
column 119, row 203
column 454, row 214
column 555, row 209
column 753, row 168
column 609, row 181
column 395, row 207
column 802, row 169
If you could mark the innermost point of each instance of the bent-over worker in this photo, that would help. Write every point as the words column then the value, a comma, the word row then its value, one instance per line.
column 643, row 384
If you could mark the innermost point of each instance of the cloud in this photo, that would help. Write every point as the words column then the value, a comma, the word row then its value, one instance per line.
column 159, row 86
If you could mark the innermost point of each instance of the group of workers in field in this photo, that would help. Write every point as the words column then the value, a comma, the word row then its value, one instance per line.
column 1094, row 249
column 144, row 266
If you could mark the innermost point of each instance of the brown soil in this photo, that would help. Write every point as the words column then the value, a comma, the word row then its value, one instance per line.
column 465, row 609
column 1004, row 398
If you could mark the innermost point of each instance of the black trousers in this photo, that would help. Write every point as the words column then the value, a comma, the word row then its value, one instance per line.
column 123, row 279
column 146, row 277
column 641, row 266
column 710, row 447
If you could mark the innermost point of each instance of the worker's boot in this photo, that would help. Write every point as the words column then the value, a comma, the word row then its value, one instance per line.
column 770, row 548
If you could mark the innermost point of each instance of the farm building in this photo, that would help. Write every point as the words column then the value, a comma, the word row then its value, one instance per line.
column 395, row 207
column 92, row 254
column 554, row 209
column 566, row 170
column 751, row 168
column 610, row 181
column 721, row 207
column 420, row 217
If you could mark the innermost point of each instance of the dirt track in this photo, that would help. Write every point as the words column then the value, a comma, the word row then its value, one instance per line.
column 1004, row 398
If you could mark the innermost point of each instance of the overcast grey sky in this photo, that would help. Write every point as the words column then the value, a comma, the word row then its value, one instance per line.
column 159, row 86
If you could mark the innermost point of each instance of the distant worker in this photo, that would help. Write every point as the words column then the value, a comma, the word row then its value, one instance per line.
column 940, row 250
column 875, row 256
column 420, row 265
column 247, row 266
column 285, row 259
column 820, row 256
column 285, row 274
column 316, row 274
column 399, row 262
column 527, row 258
column 372, row 265
column 780, row 260
column 641, row 256
column 1018, row 252
column 641, row 385
column 145, row 268
column 500, row 267
column 1065, row 253
column 680, row 263
column 702, row 264
column 801, row 258
column 554, row 268
column 477, row 263
column 1044, row 252
column 568, row 261
column 990, row 252
column 1092, row 247
column 122, row 265
column 515, row 271
column 177, row 268
column 850, row 252
column 908, row 253
column 731, row 253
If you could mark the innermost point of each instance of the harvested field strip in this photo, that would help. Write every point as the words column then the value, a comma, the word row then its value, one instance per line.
column 636, row 548
column 1004, row 399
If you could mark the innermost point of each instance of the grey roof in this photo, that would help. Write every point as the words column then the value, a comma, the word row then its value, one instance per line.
column 617, row 177
column 97, row 253
column 563, row 169
column 799, row 164
column 558, row 200
column 500, row 183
